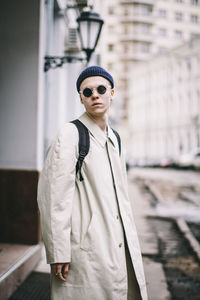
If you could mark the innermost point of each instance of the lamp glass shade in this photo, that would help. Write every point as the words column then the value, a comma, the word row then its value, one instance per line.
column 89, row 31
column 95, row 28
column 89, row 28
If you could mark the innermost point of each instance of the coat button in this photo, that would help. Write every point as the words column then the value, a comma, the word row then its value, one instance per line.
column 120, row 245
column 117, row 217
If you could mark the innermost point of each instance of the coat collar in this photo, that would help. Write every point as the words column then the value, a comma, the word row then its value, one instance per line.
column 97, row 132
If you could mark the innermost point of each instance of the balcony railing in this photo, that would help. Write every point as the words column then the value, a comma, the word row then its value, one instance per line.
column 135, row 56
column 138, row 18
column 138, row 37
column 150, row 2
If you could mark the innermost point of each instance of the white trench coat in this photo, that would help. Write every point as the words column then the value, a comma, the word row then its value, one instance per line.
column 89, row 223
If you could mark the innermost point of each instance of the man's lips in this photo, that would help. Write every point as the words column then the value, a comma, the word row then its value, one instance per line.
column 97, row 103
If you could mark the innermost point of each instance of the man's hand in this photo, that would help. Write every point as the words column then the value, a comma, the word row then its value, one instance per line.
column 60, row 270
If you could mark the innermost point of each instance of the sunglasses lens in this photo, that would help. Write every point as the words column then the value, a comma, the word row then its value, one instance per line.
column 101, row 89
column 87, row 92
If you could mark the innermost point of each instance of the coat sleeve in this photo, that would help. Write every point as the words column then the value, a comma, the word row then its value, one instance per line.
column 123, row 167
column 55, row 194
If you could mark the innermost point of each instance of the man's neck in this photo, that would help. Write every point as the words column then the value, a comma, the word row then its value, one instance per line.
column 102, row 122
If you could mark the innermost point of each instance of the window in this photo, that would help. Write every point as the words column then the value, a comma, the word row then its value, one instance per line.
column 126, row 11
column 179, row 1
column 111, row 10
column 126, row 48
column 162, row 49
column 162, row 32
column 194, row 35
column 144, row 28
column 145, row 47
column 111, row 29
column 126, row 29
column 110, row 47
column 178, row 34
column 146, row 10
column 194, row 2
column 126, row 67
column 178, row 16
column 198, row 96
column 162, row 13
column 124, row 83
column 110, row 66
column 188, row 63
column 194, row 19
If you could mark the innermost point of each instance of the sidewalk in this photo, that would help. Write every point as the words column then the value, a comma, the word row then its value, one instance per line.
column 155, row 277
column 16, row 263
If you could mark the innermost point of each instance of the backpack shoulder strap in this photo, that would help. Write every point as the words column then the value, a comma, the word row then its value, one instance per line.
column 118, row 140
column 84, row 145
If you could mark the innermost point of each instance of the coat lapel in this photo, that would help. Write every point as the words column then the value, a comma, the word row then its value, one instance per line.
column 97, row 132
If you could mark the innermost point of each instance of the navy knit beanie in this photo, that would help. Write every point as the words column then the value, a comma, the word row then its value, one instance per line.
column 93, row 71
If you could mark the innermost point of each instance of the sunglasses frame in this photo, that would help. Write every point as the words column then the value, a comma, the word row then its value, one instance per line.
column 91, row 89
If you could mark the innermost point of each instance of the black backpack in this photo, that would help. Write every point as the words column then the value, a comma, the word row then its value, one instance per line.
column 84, row 144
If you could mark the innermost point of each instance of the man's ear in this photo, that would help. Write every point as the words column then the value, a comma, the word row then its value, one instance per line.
column 112, row 93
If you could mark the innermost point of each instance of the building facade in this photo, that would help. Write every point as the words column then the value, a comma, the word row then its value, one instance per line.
column 34, row 104
column 164, row 111
column 136, row 30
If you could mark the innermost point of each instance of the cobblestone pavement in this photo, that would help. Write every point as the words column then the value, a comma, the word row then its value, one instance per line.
column 166, row 207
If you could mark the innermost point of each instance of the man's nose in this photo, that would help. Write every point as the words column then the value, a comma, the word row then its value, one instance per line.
column 95, row 93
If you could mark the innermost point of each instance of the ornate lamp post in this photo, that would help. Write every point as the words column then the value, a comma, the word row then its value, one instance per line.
column 89, row 29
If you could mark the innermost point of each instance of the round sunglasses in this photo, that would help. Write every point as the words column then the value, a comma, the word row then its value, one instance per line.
column 101, row 89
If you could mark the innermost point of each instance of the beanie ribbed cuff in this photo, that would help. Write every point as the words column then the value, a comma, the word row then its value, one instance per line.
column 93, row 71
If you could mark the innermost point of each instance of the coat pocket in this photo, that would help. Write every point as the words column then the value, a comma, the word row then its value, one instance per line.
column 87, row 242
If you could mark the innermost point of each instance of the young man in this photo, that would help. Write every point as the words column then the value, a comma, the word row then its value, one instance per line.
column 87, row 226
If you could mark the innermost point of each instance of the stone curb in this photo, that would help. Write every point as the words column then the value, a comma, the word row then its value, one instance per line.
column 17, row 273
column 181, row 223
column 184, row 228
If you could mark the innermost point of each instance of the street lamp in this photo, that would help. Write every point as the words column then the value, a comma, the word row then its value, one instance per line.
column 89, row 29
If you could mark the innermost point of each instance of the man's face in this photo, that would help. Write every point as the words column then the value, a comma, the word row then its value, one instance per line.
column 97, row 104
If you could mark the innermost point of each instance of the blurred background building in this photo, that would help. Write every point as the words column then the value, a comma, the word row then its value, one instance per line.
column 136, row 32
column 164, row 111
